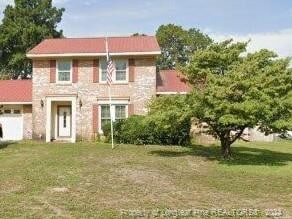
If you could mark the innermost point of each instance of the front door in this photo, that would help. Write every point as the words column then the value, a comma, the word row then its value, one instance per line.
column 64, row 121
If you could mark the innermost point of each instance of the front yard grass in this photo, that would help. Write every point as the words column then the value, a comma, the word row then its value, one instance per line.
column 84, row 180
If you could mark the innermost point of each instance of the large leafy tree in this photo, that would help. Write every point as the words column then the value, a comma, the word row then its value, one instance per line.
column 24, row 25
column 178, row 44
column 234, row 90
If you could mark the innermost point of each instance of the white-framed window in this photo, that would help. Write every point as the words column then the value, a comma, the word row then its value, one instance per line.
column 121, row 70
column 103, row 70
column 13, row 109
column 105, row 117
column 121, row 74
column 64, row 71
column 119, row 111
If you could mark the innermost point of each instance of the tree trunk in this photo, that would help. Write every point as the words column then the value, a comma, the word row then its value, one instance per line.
column 226, row 149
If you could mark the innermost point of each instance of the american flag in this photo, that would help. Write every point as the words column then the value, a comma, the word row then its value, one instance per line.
column 109, row 72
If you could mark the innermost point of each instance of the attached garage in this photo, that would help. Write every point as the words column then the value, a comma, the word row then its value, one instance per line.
column 11, row 119
column 16, row 109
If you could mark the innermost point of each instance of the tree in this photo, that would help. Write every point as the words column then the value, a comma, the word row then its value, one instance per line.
column 139, row 34
column 237, row 90
column 178, row 44
column 25, row 25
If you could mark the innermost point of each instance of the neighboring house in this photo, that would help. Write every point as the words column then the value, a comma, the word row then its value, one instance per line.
column 171, row 82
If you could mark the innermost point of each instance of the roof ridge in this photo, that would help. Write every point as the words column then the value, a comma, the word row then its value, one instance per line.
column 101, row 37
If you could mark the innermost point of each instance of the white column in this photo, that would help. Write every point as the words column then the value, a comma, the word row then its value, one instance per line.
column 48, row 119
column 73, row 139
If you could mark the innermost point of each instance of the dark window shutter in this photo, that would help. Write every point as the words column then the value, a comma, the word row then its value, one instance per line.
column 130, row 109
column 75, row 71
column 95, row 118
column 131, row 70
column 95, row 71
column 52, row 71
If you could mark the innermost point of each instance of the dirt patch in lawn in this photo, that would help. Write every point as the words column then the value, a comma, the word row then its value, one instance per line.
column 145, row 177
column 59, row 189
column 51, row 210
column 10, row 187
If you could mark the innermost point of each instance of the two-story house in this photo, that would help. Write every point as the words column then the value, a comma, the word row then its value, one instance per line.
column 68, row 96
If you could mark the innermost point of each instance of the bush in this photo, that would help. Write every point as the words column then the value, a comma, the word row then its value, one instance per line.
column 167, row 123
column 107, row 132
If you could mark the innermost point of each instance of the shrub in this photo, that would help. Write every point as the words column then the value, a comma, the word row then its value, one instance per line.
column 107, row 132
column 167, row 123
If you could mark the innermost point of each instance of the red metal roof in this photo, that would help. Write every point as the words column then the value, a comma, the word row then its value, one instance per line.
column 97, row 45
column 15, row 91
column 171, row 81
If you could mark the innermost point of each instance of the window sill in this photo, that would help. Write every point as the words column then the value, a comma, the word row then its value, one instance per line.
column 114, row 83
column 64, row 84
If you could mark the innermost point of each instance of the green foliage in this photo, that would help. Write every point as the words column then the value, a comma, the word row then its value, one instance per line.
column 139, row 34
column 178, row 44
column 25, row 25
column 239, row 91
column 171, row 119
column 168, row 123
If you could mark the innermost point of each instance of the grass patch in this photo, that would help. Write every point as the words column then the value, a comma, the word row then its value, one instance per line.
column 86, row 180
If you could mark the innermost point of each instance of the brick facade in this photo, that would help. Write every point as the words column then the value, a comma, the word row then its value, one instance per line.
column 27, row 121
column 140, row 91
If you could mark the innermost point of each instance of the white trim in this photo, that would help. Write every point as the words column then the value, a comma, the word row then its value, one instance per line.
column 171, row 92
column 114, row 102
column 114, row 75
column 48, row 120
column 49, row 100
column 15, row 103
column 57, row 72
column 91, row 54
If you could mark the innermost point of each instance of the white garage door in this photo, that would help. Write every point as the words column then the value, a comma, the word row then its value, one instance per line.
column 12, row 126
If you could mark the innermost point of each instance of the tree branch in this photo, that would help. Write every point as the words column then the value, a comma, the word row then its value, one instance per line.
column 237, row 135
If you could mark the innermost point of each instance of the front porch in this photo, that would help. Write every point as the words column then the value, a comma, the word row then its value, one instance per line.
column 61, row 118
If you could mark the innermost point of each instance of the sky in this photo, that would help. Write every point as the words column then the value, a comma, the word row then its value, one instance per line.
column 267, row 23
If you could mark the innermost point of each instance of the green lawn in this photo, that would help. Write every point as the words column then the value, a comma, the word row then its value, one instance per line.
column 88, row 180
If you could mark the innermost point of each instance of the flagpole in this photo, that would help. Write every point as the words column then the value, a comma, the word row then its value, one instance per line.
column 110, row 97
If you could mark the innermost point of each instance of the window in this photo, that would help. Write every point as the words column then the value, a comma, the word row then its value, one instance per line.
column 7, row 111
column 120, row 75
column 10, row 111
column 16, row 111
column 119, row 112
column 64, row 71
column 64, row 119
column 121, row 70
column 105, row 115
column 103, row 67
